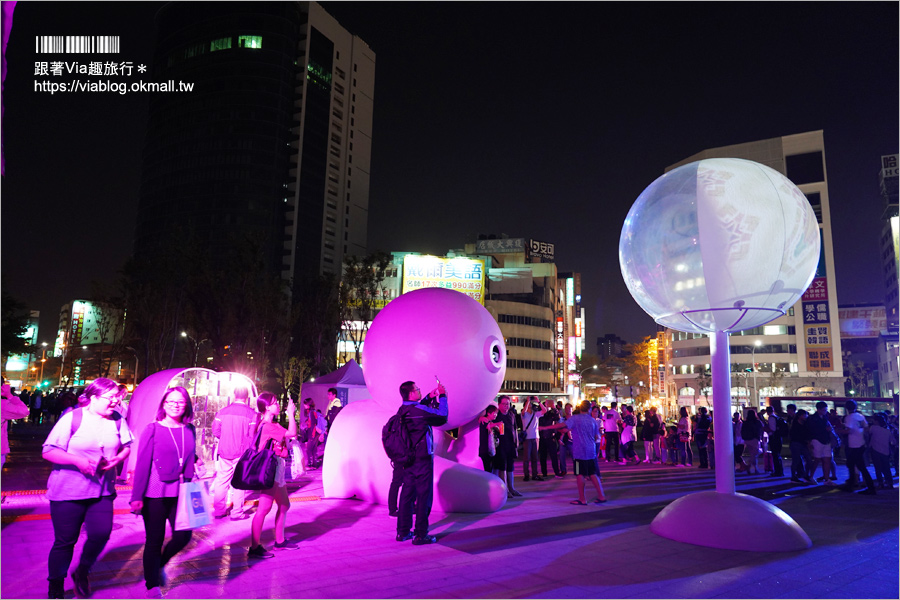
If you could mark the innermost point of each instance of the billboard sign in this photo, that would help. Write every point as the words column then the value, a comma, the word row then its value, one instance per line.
column 464, row 275
column 862, row 321
column 500, row 246
column 541, row 251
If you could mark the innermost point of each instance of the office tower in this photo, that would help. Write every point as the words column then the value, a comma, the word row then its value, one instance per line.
column 273, row 141
column 888, row 178
column 800, row 352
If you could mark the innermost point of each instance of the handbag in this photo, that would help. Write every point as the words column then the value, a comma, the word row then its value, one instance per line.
column 298, row 460
column 194, row 507
column 491, row 443
column 255, row 470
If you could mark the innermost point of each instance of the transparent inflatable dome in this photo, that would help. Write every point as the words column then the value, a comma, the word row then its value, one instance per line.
column 719, row 245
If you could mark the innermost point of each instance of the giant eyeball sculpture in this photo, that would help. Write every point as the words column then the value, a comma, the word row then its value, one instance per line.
column 423, row 336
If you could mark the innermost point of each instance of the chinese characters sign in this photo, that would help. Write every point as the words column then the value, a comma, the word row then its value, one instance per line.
column 817, row 290
column 815, row 312
column 540, row 251
column 464, row 275
column 500, row 246
column 862, row 321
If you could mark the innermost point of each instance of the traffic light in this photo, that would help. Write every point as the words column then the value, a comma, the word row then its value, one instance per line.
column 616, row 390
column 634, row 391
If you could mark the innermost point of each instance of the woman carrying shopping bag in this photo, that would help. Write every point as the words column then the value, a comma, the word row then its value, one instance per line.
column 166, row 458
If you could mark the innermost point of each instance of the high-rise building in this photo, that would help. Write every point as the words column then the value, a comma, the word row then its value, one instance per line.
column 798, row 353
column 273, row 141
column 888, row 180
column 610, row 345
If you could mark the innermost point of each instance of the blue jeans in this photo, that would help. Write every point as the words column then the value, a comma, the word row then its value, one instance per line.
column 530, row 456
column 685, row 452
column 564, row 450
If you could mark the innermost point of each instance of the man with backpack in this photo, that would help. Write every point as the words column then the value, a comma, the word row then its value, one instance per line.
column 417, row 416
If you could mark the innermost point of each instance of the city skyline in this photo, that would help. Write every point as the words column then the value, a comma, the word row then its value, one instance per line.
column 490, row 118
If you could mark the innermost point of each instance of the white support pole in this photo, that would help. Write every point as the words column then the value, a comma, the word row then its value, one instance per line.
column 722, row 427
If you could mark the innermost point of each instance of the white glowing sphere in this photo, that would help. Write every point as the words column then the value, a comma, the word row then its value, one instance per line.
column 722, row 244
column 436, row 333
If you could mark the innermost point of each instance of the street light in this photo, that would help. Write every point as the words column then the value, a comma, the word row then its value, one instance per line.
column 197, row 345
column 753, row 348
column 43, row 359
column 136, row 361
column 581, row 377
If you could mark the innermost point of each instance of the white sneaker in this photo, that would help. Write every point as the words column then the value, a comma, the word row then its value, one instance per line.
column 155, row 592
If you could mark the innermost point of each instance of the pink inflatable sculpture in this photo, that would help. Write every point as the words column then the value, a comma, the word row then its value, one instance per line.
column 423, row 336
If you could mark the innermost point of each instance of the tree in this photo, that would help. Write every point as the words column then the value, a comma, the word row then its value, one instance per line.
column 858, row 375
column 638, row 361
column 361, row 295
column 155, row 297
column 241, row 307
column 290, row 373
column 13, row 328
column 318, row 322
column 704, row 381
column 110, row 323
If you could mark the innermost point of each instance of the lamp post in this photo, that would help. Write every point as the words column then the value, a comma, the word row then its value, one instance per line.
column 756, row 345
column 196, row 344
column 136, row 360
column 581, row 377
column 43, row 359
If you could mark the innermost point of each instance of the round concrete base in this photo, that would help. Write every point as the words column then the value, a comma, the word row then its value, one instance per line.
column 730, row 521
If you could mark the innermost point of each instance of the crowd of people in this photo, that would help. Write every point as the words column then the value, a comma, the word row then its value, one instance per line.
column 761, row 441
column 90, row 441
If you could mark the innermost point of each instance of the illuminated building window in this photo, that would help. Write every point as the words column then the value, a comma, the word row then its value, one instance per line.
column 220, row 44
column 249, row 41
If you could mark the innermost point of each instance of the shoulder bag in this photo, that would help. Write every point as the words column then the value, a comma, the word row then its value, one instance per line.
column 255, row 470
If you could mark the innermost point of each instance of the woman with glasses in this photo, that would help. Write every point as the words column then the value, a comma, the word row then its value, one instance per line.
column 85, row 446
column 267, row 404
column 166, row 457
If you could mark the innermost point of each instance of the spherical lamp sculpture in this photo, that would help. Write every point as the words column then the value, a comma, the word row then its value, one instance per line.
column 718, row 246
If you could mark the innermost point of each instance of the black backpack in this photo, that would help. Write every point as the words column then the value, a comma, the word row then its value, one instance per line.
column 397, row 442
column 781, row 427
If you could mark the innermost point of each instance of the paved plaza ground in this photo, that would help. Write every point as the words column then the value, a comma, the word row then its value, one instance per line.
column 537, row 546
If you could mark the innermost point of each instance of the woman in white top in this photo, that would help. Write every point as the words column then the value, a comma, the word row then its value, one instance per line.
column 684, row 439
column 85, row 446
column 628, row 435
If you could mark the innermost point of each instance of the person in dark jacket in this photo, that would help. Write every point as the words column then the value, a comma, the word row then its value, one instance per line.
column 751, row 433
column 166, row 457
column 418, row 478
column 820, row 430
column 801, row 459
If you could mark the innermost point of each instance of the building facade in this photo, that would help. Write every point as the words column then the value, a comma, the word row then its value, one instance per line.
column 888, row 184
column 272, row 144
column 610, row 345
column 800, row 352
column 517, row 282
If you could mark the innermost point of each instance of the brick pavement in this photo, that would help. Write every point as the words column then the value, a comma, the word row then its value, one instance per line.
column 537, row 546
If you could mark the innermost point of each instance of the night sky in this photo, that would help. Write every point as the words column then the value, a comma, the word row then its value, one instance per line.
column 538, row 120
